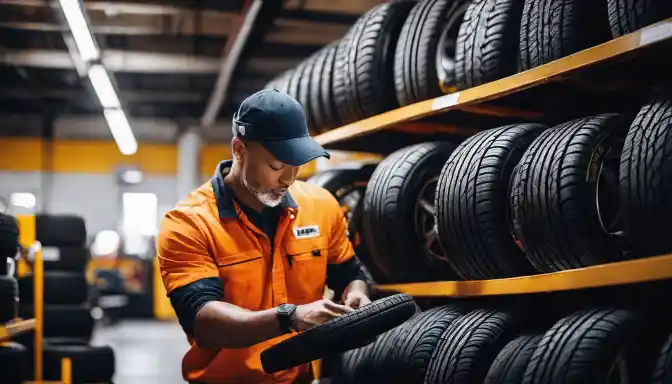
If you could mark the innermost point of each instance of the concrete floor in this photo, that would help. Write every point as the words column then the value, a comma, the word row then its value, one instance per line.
column 146, row 351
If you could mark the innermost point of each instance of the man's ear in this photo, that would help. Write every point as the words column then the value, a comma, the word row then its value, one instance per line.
column 239, row 148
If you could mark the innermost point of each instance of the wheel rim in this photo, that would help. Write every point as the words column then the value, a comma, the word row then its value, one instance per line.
column 606, row 188
column 425, row 223
column 445, row 52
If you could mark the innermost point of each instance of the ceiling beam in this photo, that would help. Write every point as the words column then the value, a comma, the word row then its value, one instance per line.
column 233, row 49
column 254, row 23
column 294, row 32
column 141, row 62
column 316, row 10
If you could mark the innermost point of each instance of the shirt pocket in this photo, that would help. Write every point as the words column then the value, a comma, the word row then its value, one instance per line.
column 306, row 269
column 242, row 277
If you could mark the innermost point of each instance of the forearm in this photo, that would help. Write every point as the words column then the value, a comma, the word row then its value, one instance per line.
column 340, row 277
column 223, row 325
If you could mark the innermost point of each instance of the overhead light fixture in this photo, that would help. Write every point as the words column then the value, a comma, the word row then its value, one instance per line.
column 121, row 131
column 80, row 30
column 102, row 84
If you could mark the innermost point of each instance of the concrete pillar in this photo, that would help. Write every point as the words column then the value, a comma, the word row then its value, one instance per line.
column 188, row 162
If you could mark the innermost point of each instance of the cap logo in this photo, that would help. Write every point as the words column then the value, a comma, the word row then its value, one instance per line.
column 241, row 129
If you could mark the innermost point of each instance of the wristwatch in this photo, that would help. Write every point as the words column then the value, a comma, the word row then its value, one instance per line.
column 285, row 312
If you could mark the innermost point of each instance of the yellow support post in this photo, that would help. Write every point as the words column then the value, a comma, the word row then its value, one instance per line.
column 38, row 282
column 66, row 370
column 28, row 240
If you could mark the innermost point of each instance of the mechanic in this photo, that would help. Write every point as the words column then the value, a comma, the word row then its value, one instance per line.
column 246, row 256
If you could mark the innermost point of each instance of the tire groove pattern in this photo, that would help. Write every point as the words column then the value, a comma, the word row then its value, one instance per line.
column 581, row 347
column 553, row 197
column 415, row 73
column 472, row 206
column 552, row 29
column 388, row 212
column 646, row 179
column 487, row 44
column 470, row 344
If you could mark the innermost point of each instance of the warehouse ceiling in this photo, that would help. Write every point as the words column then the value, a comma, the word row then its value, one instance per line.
column 164, row 56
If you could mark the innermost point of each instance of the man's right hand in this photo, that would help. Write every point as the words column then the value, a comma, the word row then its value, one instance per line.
column 319, row 312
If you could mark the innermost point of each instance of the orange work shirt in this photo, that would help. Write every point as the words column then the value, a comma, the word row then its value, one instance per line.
column 208, row 235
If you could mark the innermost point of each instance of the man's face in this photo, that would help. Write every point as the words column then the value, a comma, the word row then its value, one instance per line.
column 263, row 175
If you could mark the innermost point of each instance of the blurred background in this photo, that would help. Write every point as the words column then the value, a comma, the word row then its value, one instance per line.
column 111, row 112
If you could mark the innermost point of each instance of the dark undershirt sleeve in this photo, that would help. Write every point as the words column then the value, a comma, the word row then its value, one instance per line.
column 340, row 275
column 189, row 299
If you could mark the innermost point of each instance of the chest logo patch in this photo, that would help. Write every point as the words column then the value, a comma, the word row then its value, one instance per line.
column 306, row 232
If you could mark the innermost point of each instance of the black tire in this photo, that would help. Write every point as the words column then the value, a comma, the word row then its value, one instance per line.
column 391, row 206
column 9, row 240
column 348, row 369
column 582, row 348
column 327, row 84
column 626, row 16
column 90, row 364
column 468, row 347
column 61, row 288
column 345, row 108
column 372, row 364
column 63, row 321
column 315, row 91
column 646, row 180
column 472, row 208
column 9, row 298
column 282, row 83
column 366, row 62
column 415, row 343
column 487, row 45
column 553, row 29
column 321, row 121
column 304, row 92
column 60, row 230
column 430, row 24
column 14, row 363
column 561, row 202
column 295, row 80
column 662, row 372
column 67, row 259
column 510, row 364
column 340, row 334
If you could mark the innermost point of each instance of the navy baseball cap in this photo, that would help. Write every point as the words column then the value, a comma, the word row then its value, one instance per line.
column 277, row 121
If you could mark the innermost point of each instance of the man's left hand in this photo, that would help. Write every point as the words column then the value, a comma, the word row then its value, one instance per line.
column 356, row 299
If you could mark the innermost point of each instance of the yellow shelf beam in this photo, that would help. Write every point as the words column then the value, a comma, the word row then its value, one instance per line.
column 469, row 99
column 9, row 330
column 605, row 275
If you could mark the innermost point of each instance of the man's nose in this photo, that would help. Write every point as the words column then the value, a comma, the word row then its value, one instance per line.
column 289, row 176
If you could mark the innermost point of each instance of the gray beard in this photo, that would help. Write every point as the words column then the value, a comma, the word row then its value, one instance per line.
column 266, row 197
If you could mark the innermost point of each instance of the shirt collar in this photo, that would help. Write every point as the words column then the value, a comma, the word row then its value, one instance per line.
column 224, row 195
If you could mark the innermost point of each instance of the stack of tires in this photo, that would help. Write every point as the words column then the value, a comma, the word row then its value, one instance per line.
column 405, row 51
column 501, row 344
column 524, row 199
column 68, row 324
column 15, row 358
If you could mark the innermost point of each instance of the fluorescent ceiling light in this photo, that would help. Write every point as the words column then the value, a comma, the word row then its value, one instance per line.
column 80, row 29
column 103, row 86
column 121, row 131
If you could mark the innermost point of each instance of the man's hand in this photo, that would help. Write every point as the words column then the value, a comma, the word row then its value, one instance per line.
column 317, row 313
column 356, row 294
column 356, row 299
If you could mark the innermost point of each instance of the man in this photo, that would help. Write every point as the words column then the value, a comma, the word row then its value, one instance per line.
column 245, row 257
